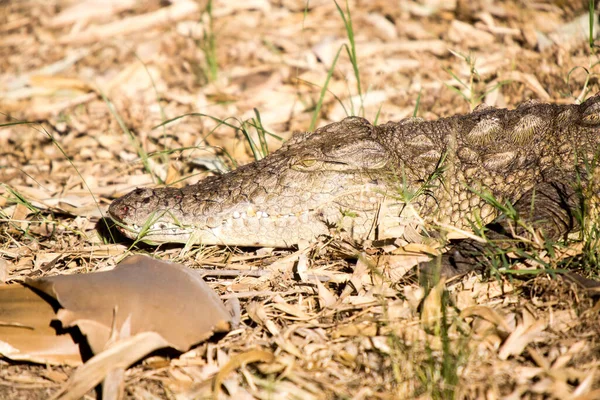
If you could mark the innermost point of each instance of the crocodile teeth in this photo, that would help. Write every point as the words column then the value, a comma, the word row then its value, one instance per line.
column 236, row 215
column 261, row 214
column 303, row 217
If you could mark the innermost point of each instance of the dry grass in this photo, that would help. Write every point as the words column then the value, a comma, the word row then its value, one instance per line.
column 94, row 83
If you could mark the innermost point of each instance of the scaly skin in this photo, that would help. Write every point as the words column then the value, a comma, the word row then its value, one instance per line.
column 351, row 178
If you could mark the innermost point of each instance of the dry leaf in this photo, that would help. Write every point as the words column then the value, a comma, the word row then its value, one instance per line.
column 4, row 270
column 237, row 361
column 25, row 331
column 364, row 328
column 518, row 340
column 89, row 10
column 121, row 354
column 166, row 15
column 158, row 296
column 487, row 313
column 292, row 310
column 461, row 32
column 583, row 390
column 326, row 298
column 256, row 311
column 432, row 306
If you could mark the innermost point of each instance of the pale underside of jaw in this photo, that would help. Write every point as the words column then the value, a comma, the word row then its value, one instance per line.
column 258, row 228
column 239, row 229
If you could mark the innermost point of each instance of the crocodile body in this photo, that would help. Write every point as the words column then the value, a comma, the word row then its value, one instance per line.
column 352, row 178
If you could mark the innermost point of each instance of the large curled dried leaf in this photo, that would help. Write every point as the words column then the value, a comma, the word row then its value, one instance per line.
column 25, row 330
column 157, row 296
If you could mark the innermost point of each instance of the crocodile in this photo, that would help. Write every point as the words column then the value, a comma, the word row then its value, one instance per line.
column 395, row 180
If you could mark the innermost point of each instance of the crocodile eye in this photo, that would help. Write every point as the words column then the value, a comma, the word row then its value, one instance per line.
column 309, row 162
column 306, row 164
column 591, row 115
column 591, row 119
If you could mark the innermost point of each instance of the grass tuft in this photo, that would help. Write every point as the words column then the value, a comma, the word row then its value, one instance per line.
column 470, row 90
column 352, row 56
column 208, row 45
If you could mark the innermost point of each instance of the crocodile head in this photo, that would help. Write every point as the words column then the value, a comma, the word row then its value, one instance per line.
column 332, row 179
column 368, row 182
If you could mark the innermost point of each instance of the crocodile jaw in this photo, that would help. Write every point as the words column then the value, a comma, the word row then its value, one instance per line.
column 247, row 225
column 235, row 230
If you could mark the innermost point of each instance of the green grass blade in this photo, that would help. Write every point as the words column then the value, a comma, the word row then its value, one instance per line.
column 351, row 50
column 132, row 138
column 317, row 112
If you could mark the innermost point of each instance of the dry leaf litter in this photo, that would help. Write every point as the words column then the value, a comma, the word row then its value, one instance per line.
column 98, row 80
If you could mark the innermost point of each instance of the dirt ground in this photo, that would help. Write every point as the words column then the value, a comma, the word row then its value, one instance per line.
column 96, row 79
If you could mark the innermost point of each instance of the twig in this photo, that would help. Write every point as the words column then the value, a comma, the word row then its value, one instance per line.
column 265, row 293
column 225, row 273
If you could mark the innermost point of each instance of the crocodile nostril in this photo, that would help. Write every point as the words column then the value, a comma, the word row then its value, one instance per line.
column 121, row 211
